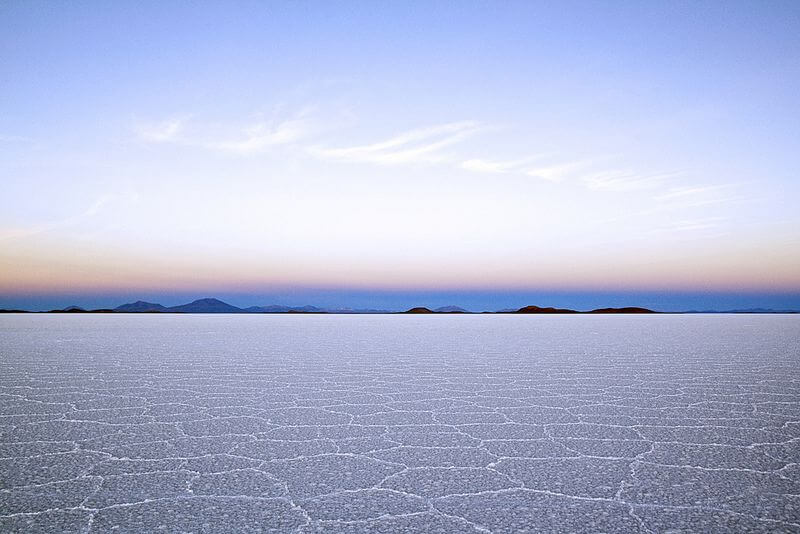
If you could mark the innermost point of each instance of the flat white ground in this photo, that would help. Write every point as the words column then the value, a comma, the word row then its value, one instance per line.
column 399, row 423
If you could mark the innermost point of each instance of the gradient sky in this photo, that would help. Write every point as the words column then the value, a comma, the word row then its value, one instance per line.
column 351, row 153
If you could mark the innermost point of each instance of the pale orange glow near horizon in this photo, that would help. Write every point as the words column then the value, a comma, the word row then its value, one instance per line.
column 723, row 267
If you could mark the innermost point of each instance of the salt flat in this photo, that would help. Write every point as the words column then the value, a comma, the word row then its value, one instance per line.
column 240, row 423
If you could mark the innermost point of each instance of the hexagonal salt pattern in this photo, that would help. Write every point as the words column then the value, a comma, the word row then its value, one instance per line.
column 451, row 424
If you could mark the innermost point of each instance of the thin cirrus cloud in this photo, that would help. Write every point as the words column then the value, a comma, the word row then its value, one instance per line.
column 267, row 134
column 489, row 166
column 435, row 144
column 556, row 172
column 585, row 172
column 688, row 192
column 440, row 144
column 422, row 145
column 166, row 131
column 253, row 139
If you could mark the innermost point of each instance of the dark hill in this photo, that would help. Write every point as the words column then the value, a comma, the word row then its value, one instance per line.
column 418, row 309
column 206, row 306
column 537, row 309
column 629, row 309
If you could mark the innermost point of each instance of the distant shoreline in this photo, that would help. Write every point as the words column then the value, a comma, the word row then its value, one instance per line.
column 216, row 306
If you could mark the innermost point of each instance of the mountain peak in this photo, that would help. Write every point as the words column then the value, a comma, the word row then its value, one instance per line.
column 206, row 305
column 537, row 309
column 208, row 300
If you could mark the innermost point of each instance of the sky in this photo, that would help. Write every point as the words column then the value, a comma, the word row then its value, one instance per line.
column 384, row 154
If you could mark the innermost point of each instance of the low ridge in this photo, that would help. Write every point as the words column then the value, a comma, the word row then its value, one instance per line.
column 537, row 309
column 451, row 309
column 140, row 306
column 629, row 309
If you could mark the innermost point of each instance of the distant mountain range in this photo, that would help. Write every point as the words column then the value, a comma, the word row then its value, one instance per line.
column 534, row 309
column 212, row 305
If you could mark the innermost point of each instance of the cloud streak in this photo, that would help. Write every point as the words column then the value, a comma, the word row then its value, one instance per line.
column 489, row 166
column 423, row 145
column 265, row 135
column 166, row 131
column 253, row 139
column 438, row 144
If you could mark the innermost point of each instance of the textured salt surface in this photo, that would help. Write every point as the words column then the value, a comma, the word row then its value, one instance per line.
column 399, row 423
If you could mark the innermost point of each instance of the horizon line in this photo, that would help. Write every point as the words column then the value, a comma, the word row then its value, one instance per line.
column 144, row 307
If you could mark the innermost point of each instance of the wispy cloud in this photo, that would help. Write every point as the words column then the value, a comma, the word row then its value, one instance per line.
column 263, row 135
column 423, row 145
column 554, row 172
column 165, row 131
column 436, row 144
column 593, row 174
column 498, row 166
column 253, row 138
column 687, row 192
column 558, row 172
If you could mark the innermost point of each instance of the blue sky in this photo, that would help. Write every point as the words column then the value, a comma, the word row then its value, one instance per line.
column 340, row 151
